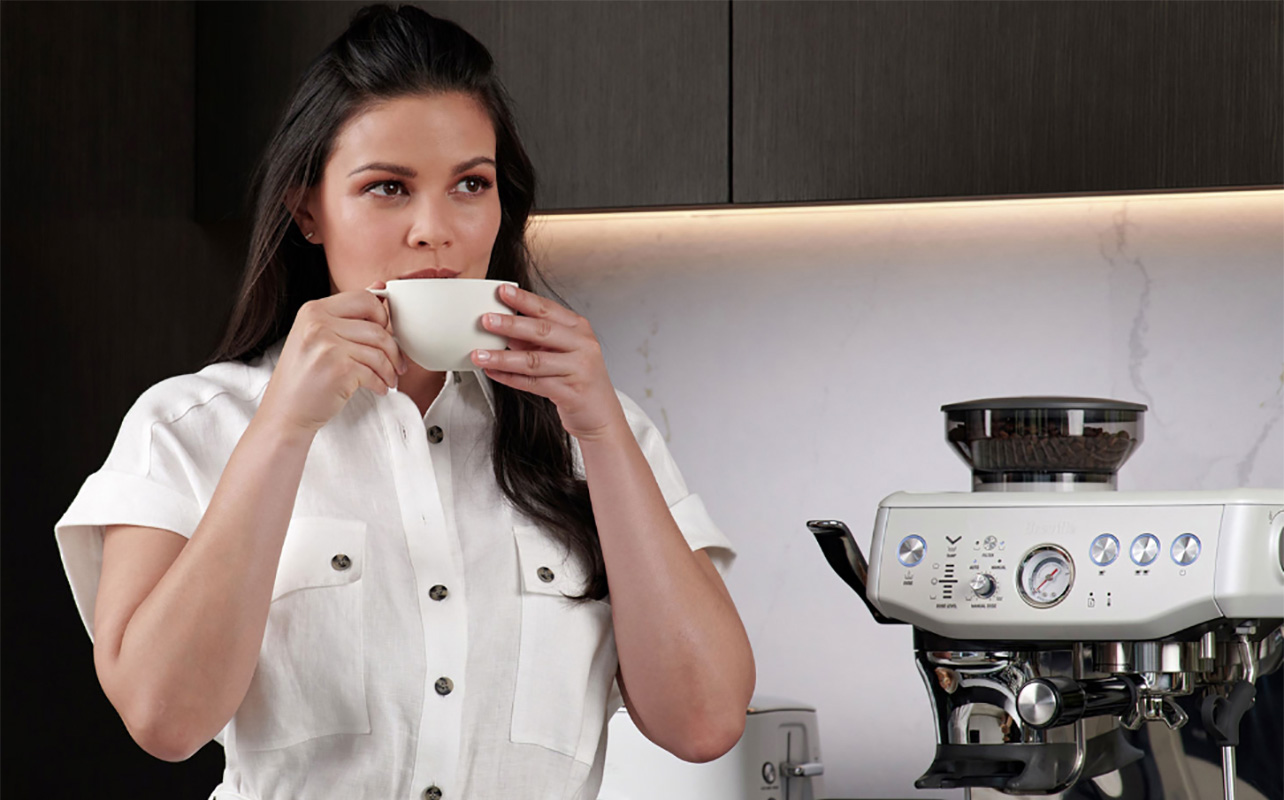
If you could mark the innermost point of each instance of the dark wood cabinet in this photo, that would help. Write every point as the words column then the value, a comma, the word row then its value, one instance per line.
column 646, row 104
column 890, row 100
column 619, row 104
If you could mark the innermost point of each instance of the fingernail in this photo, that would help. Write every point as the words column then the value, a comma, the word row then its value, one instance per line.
column 492, row 319
column 482, row 355
column 509, row 291
column 402, row 367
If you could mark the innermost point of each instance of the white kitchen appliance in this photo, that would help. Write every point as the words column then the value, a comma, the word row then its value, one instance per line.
column 1052, row 614
column 777, row 758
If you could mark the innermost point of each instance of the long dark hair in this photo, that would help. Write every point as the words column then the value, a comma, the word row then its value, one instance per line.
column 387, row 53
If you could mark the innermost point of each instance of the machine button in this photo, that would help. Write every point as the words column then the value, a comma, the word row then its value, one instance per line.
column 1185, row 549
column 769, row 772
column 1105, row 549
column 1144, row 549
column 983, row 585
column 912, row 550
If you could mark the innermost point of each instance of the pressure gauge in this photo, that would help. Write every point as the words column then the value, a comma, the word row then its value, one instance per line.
column 1045, row 576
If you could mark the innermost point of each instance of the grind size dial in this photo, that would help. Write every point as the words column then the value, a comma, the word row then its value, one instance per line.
column 1045, row 576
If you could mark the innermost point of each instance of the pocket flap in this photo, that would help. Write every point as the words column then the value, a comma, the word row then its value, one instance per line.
column 320, row 551
column 547, row 566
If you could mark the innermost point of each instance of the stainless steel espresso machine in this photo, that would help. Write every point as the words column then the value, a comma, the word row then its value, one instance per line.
column 1053, row 614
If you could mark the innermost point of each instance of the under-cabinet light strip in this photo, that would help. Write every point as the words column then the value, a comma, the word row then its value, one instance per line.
column 848, row 208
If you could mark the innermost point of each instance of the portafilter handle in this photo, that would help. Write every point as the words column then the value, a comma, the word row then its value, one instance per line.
column 845, row 557
column 1056, row 700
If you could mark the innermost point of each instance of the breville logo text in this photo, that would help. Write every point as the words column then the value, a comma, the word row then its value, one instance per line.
column 1049, row 530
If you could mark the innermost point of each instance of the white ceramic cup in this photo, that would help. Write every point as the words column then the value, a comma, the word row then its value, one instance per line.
column 437, row 321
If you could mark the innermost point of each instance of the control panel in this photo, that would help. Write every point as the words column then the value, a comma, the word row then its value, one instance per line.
column 1047, row 572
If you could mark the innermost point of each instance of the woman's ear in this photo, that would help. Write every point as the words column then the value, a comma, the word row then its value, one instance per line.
column 299, row 202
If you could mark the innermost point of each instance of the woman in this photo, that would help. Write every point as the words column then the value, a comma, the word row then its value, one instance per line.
column 369, row 580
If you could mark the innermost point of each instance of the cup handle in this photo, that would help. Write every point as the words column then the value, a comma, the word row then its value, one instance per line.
column 382, row 293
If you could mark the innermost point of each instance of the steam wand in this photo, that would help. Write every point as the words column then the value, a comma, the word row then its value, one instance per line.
column 1222, row 716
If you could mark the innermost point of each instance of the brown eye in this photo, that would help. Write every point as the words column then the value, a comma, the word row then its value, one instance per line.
column 474, row 184
column 391, row 188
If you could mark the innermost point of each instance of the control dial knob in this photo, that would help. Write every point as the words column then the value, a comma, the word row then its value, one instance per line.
column 983, row 585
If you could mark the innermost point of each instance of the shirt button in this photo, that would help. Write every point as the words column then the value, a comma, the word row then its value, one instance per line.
column 340, row 562
column 545, row 574
column 432, row 793
column 435, row 435
column 444, row 686
column 438, row 592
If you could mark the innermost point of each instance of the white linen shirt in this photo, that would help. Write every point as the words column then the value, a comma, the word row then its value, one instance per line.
column 419, row 643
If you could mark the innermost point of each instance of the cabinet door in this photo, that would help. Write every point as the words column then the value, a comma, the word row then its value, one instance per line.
column 619, row 104
column 864, row 100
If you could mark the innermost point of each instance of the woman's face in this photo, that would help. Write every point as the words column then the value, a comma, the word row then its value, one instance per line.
column 409, row 191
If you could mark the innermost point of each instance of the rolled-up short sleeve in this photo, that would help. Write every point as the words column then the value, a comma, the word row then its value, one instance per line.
column 147, row 480
column 688, row 510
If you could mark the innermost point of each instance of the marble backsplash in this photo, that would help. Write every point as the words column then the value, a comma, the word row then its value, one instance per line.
column 797, row 361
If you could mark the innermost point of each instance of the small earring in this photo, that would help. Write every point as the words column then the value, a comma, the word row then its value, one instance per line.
column 308, row 235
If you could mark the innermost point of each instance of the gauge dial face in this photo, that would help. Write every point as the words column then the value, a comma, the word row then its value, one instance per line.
column 1045, row 576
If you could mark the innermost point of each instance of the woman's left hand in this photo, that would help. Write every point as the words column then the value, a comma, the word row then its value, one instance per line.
column 552, row 353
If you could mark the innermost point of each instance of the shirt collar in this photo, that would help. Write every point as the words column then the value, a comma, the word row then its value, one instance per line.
column 488, row 391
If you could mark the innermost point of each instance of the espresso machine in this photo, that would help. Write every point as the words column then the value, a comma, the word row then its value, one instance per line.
column 1052, row 615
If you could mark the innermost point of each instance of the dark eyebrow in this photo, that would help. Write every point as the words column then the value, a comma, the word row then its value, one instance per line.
column 395, row 169
column 473, row 162
column 407, row 172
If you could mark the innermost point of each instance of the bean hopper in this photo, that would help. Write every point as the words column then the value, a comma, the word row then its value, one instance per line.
column 1052, row 613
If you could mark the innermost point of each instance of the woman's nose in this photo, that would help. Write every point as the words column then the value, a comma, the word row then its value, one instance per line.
column 431, row 226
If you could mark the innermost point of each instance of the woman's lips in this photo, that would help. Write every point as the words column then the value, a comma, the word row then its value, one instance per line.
column 431, row 272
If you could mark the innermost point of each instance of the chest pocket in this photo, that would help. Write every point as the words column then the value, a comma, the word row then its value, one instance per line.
column 567, row 659
column 310, row 678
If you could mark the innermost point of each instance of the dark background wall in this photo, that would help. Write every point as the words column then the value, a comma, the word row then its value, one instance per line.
column 109, row 286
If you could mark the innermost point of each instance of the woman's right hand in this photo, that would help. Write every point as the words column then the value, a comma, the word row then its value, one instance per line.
column 336, row 345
